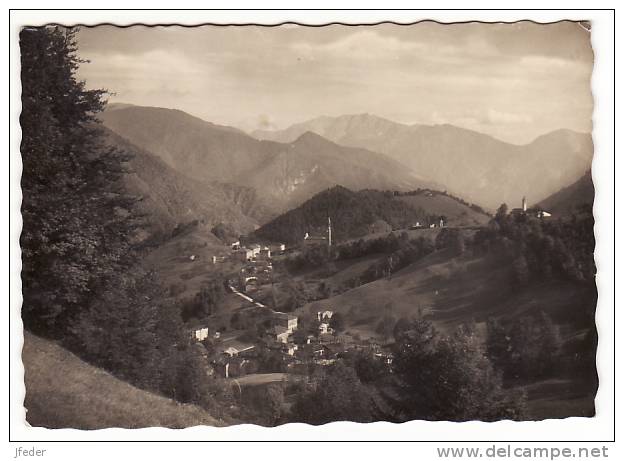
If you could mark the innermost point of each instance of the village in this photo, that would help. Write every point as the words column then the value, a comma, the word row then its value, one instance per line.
column 264, row 345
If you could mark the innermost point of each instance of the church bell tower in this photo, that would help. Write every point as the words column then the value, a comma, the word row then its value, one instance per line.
column 329, row 236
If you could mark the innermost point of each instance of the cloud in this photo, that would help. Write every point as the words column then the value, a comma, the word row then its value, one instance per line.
column 366, row 44
column 509, row 81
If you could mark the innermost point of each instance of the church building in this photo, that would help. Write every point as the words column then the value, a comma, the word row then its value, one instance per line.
column 319, row 240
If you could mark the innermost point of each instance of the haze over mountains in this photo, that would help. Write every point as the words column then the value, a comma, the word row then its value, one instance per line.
column 284, row 174
column 472, row 165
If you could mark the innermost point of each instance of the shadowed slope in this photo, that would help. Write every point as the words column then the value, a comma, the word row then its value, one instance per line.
column 62, row 391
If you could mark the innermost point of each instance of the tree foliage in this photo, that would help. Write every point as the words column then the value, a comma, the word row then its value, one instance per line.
column 352, row 213
column 205, row 303
column 337, row 322
column 76, row 220
column 338, row 396
column 448, row 378
column 80, row 274
column 524, row 348
column 542, row 249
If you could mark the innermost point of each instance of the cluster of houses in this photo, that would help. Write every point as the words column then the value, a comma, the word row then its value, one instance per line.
column 233, row 357
column 254, row 251
column 233, row 354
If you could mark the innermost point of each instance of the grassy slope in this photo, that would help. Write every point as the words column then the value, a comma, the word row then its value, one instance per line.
column 452, row 291
column 62, row 391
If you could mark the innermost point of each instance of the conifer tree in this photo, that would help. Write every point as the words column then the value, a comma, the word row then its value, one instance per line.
column 76, row 224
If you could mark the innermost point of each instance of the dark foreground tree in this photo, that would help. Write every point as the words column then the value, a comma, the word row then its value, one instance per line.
column 338, row 396
column 81, row 280
column 448, row 378
column 525, row 348
column 76, row 225
column 119, row 331
column 264, row 404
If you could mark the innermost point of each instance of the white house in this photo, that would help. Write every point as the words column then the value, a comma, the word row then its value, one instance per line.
column 324, row 315
column 201, row 334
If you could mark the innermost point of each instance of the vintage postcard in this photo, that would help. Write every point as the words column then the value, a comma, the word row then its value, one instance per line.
column 242, row 224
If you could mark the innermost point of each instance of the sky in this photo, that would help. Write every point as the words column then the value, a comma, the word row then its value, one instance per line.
column 512, row 81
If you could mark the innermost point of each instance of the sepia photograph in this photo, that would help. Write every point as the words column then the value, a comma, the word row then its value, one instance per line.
column 251, row 224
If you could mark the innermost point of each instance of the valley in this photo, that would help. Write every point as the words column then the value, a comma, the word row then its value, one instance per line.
column 285, row 258
column 448, row 289
column 214, row 251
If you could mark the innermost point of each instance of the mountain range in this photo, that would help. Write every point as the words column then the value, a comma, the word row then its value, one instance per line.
column 472, row 165
column 283, row 174
column 191, row 171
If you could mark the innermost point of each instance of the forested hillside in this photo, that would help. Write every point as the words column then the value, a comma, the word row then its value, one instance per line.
column 351, row 214
column 355, row 214
column 170, row 200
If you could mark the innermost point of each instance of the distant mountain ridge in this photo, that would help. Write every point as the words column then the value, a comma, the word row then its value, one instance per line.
column 283, row 174
column 312, row 163
column 473, row 165
column 172, row 200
